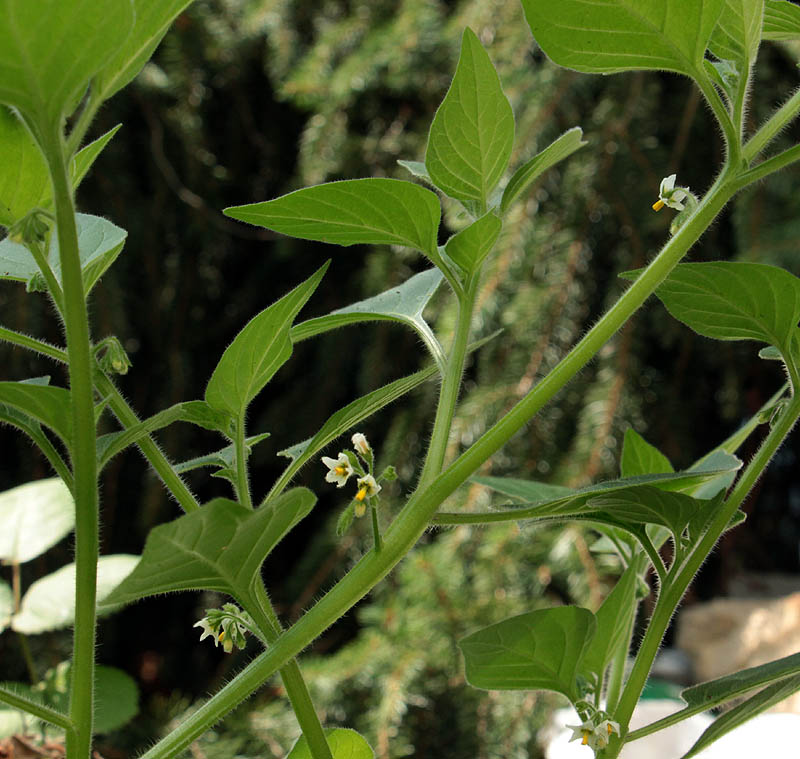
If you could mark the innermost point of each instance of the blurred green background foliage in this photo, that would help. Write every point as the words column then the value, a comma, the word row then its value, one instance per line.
column 248, row 99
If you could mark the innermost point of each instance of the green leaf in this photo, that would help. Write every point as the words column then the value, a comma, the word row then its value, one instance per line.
column 469, row 247
column 221, row 546
column 347, row 417
column 740, row 714
column 193, row 412
column 738, row 32
column 116, row 699
column 470, row 139
column 6, row 604
column 735, row 301
column 33, row 518
column 540, row 650
column 613, row 622
column 153, row 19
column 529, row 172
column 353, row 212
column 223, row 458
column 99, row 243
column 781, row 20
column 622, row 35
column 52, row 48
column 49, row 603
column 417, row 168
column 83, row 159
column 639, row 457
column 404, row 303
column 24, row 179
column 46, row 404
column 258, row 351
column 343, row 742
column 525, row 490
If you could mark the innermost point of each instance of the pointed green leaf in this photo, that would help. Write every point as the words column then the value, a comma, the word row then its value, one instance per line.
column 223, row 458
column 781, row 20
column 639, row 457
column 46, row 404
column 404, row 303
column 613, row 623
column 620, row 35
column 6, row 605
column 471, row 245
column 352, row 212
column 528, row 173
column 83, row 159
column 472, row 133
column 738, row 32
column 343, row 742
column 417, row 168
column 735, row 301
column 525, row 490
column 49, row 603
column 221, row 546
column 258, row 351
column 52, row 48
column 743, row 712
column 540, row 650
column 33, row 518
column 24, row 178
column 99, row 243
column 153, row 19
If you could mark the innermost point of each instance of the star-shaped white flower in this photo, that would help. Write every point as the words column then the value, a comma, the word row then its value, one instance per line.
column 668, row 195
column 583, row 732
column 367, row 486
column 206, row 629
column 339, row 469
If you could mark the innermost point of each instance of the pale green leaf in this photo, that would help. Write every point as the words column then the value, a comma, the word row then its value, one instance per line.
column 46, row 404
column 540, row 650
column 607, row 36
column 153, row 19
column 470, row 139
column 373, row 211
column 639, row 457
column 6, row 604
column 417, row 168
column 33, row 518
column 343, row 742
column 258, row 351
column 99, row 243
column 735, row 301
column 24, row 178
column 404, row 303
column 50, row 49
column 49, row 603
column 116, row 699
column 529, row 172
column 745, row 711
column 220, row 546
column 738, row 32
column 781, row 20
column 223, row 458
column 469, row 247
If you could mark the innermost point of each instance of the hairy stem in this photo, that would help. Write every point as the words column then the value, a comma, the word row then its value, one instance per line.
column 772, row 127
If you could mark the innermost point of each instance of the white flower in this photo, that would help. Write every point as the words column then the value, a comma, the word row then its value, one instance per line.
column 607, row 728
column 367, row 486
column 668, row 195
column 207, row 631
column 584, row 732
column 360, row 444
column 339, row 469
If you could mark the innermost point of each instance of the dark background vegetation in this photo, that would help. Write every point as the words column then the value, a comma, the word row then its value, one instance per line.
column 248, row 99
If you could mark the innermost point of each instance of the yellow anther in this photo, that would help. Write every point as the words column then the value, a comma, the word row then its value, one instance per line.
column 340, row 470
column 585, row 740
column 658, row 205
column 361, row 494
column 221, row 636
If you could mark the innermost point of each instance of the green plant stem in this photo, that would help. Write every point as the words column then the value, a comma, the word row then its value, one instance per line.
column 31, row 343
column 723, row 116
column 41, row 711
column 30, row 665
column 770, row 166
column 451, row 385
column 90, row 108
column 83, row 453
column 47, row 272
column 415, row 516
column 242, row 480
column 680, row 576
column 770, row 129
column 376, row 529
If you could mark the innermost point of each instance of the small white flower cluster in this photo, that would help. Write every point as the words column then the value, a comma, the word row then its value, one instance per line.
column 227, row 626
column 594, row 734
column 669, row 195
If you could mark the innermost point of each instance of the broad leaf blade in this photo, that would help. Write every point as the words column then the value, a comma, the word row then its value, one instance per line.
column 540, row 650
column 33, row 518
column 621, row 35
column 258, row 351
column 781, row 20
column 46, row 404
column 357, row 211
column 343, row 742
column 404, row 303
column 470, row 140
column 738, row 32
column 528, row 173
column 24, row 178
column 735, row 301
column 471, row 245
column 639, row 457
column 49, row 603
column 51, row 49
column 153, row 19
column 221, row 546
